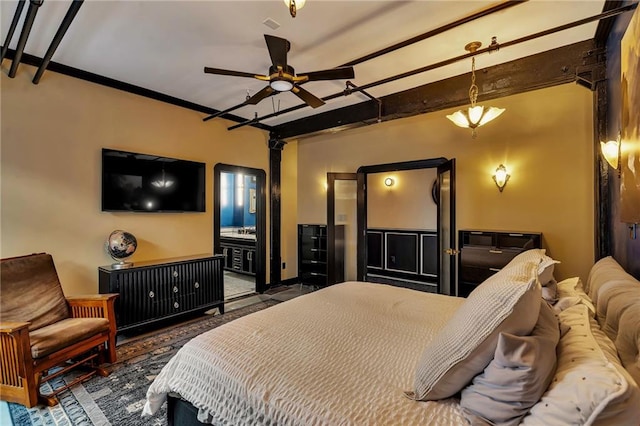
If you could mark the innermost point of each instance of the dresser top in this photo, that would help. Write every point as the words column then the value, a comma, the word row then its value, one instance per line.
column 156, row 262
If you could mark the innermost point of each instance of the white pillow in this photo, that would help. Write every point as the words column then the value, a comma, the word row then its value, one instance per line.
column 590, row 386
column 570, row 293
column 545, row 270
column 518, row 375
column 508, row 301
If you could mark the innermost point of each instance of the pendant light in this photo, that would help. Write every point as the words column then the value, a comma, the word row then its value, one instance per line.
column 476, row 115
column 294, row 5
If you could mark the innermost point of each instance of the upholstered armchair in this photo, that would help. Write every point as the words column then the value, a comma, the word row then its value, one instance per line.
column 40, row 329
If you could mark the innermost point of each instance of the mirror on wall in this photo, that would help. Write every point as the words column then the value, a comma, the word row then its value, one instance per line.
column 342, row 226
column 239, row 228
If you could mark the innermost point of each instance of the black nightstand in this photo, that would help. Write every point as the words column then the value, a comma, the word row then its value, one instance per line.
column 483, row 253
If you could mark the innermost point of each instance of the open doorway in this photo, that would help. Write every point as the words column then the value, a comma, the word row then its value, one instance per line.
column 239, row 228
column 419, row 256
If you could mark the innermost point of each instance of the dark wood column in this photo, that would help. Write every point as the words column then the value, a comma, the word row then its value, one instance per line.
column 275, row 175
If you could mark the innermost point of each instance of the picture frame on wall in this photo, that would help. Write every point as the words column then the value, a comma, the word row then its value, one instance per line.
column 630, row 122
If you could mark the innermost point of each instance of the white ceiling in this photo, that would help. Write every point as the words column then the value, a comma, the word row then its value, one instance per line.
column 164, row 45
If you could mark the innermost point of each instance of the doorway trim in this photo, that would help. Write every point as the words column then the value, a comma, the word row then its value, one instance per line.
column 362, row 200
column 261, row 216
column 331, row 220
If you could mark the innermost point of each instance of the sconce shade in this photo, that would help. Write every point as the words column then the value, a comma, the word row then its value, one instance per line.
column 611, row 152
column 389, row 181
column 501, row 177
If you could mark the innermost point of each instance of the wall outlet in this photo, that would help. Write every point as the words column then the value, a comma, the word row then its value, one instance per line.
column 284, row 265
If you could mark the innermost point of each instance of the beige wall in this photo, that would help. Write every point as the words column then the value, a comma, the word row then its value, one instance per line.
column 544, row 139
column 407, row 204
column 52, row 134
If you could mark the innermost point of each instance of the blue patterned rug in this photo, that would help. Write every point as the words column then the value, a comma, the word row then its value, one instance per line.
column 118, row 399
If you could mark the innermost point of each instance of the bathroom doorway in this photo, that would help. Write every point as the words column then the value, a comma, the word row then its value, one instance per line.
column 239, row 228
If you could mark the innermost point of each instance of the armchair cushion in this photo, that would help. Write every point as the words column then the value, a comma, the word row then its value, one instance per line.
column 31, row 291
column 65, row 333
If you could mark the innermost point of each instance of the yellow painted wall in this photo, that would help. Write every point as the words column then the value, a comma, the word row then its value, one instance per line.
column 51, row 137
column 407, row 204
column 544, row 139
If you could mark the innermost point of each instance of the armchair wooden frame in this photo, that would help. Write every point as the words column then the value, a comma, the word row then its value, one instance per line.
column 22, row 375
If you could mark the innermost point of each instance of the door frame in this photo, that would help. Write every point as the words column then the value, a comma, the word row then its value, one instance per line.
column 261, row 216
column 331, row 220
column 362, row 174
column 447, row 249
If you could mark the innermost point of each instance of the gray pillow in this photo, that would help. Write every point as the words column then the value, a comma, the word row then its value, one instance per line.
column 518, row 375
column 508, row 301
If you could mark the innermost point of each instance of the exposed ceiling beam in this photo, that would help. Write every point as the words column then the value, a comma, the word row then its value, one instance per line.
column 12, row 29
column 34, row 5
column 492, row 47
column 470, row 18
column 551, row 68
column 62, row 30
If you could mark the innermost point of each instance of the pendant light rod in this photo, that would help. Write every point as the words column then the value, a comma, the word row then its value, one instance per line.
column 604, row 15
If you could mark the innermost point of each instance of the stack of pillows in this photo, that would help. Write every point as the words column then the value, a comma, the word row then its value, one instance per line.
column 500, row 351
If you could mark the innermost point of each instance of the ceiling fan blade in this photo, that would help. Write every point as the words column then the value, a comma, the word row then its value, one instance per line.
column 278, row 48
column 219, row 71
column 260, row 95
column 332, row 74
column 312, row 100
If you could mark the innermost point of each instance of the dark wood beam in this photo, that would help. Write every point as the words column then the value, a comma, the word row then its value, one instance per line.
column 12, row 29
column 275, row 204
column 34, row 5
column 62, row 30
column 546, row 69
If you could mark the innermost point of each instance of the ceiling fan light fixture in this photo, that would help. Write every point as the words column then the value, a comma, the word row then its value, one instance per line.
column 281, row 85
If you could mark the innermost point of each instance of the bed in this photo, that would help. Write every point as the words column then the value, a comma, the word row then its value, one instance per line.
column 367, row 353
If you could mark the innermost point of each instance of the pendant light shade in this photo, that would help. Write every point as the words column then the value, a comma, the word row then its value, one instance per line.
column 476, row 115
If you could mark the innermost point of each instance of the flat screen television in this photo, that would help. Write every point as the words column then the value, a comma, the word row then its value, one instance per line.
column 135, row 182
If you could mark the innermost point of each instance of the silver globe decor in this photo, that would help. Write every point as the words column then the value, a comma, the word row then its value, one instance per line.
column 121, row 245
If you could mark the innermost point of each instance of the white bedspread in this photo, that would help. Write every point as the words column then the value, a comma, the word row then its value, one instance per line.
column 341, row 355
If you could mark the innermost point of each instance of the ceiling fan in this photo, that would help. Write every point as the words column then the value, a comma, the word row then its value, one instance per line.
column 282, row 77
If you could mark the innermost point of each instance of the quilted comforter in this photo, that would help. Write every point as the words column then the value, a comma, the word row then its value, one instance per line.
column 341, row 355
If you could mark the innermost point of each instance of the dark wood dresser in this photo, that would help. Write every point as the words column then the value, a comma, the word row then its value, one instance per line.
column 313, row 256
column 155, row 291
column 483, row 253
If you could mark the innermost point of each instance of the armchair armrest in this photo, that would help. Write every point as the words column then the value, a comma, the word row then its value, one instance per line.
column 15, row 354
column 97, row 306
column 92, row 306
column 10, row 327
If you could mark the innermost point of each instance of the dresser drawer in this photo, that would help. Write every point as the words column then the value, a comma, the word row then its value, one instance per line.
column 474, row 274
column 486, row 257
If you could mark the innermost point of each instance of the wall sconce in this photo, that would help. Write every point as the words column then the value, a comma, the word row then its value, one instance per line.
column 501, row 177
column 611, row 152
column 389, row 181
column 475, row 115
column 294, row 5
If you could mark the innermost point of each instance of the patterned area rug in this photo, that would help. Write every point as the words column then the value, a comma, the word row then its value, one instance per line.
column 118, row 399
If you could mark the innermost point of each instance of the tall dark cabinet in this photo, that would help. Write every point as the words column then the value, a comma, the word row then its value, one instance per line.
column 313, row 256
column 483, row 253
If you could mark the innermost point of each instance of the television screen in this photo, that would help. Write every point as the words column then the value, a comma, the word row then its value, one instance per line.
column 149, row 183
